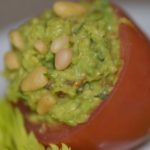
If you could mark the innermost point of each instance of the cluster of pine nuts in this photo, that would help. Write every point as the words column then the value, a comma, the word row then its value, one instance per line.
column 36, row 79
column 63, row 54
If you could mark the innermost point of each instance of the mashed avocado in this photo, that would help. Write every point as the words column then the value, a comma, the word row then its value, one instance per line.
column 64, row 63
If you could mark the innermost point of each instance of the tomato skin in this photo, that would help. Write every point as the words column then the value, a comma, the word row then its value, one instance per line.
column 125, row 115
column 123, row 120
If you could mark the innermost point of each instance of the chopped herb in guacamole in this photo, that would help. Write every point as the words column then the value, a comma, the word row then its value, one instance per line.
column 64, row 63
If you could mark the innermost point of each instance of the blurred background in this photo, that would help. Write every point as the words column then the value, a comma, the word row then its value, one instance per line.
column 11, row 11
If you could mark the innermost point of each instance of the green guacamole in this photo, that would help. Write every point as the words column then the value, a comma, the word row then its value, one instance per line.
column 76, row 90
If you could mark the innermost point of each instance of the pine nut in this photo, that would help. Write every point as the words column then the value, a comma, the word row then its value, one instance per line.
column 16, row 40
column 63, row 59
column 68, row 9
column 11, row 60
column 60, row 43
column 40, row 46
column 35, row 80
column 45, row 103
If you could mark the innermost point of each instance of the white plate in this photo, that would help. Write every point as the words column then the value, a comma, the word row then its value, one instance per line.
column 138, row 9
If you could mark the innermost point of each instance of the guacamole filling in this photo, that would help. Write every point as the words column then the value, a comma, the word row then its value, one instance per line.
column 64, row 63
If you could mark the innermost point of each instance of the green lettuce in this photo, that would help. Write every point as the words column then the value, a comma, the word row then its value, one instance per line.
column 13, row 135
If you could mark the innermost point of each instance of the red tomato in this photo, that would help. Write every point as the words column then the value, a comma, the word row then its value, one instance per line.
column 123, row 120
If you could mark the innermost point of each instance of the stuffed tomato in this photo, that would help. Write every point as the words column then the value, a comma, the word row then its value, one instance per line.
column 79, row 75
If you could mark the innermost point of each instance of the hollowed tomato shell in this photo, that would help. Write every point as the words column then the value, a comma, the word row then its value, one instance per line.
column 123, row 120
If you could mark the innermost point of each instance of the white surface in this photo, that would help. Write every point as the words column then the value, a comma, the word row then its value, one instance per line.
column 20, row 9
column 139, row 10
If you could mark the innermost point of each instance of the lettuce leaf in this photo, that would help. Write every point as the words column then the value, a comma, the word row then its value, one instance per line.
column 13, row 135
